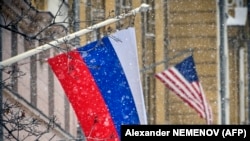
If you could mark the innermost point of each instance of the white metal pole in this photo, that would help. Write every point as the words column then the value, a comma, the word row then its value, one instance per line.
column 242, row 86
column 143, row 8
column 224, row 64
column 226, row 71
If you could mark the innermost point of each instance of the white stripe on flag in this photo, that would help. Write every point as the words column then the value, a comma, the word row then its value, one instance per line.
column 187, row 87
column 208, row 110
column 165, row 77
column 124, row 43
column 183, row 81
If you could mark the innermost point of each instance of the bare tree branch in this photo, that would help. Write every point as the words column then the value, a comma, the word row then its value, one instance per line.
column 16, row 120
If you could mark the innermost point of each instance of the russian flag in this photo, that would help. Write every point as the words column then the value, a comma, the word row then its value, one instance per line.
column 102, row 83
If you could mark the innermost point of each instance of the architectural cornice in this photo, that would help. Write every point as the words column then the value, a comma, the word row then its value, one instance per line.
column 29, row 20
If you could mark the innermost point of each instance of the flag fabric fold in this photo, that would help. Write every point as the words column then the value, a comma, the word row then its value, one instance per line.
column 102, row 83
column 182, row 79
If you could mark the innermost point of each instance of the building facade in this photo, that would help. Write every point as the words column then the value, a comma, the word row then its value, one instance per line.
column 167, row 33
column 30, row 83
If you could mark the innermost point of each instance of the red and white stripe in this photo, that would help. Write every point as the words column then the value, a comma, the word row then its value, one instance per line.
column 191, row 93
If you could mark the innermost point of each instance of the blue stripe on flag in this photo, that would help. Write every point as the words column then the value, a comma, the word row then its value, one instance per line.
column 108, row 73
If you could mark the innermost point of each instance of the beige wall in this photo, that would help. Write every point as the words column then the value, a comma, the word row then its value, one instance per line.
column 177, row 25
column 192, row 25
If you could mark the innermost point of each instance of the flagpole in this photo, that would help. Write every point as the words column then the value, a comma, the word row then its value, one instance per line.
column 166, row 60
column 143, row 8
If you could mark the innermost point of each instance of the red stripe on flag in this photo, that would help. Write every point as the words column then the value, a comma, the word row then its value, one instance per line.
column 208, row 110
column 188, row 88
column 195, row 88
column 182, row 79
column 172, row 84
column 84, row 96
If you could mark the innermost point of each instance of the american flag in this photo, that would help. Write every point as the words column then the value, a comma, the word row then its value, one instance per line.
column 182, row 79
